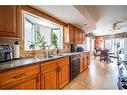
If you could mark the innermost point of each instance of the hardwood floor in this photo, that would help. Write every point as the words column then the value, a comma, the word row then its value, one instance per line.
column 99, row 76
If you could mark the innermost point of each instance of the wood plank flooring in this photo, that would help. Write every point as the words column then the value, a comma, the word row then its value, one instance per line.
column 99, row 76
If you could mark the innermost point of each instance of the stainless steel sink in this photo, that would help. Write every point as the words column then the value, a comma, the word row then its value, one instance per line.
column 50, row 56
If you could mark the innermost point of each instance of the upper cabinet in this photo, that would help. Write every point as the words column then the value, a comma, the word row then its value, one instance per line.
column 73, row 34
column 69, row 34
column 10, row 21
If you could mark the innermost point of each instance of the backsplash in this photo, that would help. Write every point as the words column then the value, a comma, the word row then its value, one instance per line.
column 8, row 41
column 11, row 41
column 81, row 45
column 24, row 53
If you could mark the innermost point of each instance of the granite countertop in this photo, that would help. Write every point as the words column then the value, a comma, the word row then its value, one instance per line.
column 4, row 66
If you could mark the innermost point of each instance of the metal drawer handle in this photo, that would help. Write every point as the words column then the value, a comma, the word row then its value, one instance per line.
column 20, row 75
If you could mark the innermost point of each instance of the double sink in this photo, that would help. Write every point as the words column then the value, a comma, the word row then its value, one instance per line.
column 56, row 55
column 52, row 56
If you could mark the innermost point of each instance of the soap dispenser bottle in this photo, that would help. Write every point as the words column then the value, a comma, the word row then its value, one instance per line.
column 16, row 50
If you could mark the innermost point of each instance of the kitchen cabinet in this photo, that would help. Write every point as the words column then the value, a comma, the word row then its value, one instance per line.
column 63, row 72
column 88, row 58
column 73, row 34
column 23, row 78
column 69, row 34
column 55, row 73
column 81, row 37
column 27, row 84
column 10, row 17
column 76, row 36
column 63, row 76
column 84, row 61
column 49, row 75
column 49, row 79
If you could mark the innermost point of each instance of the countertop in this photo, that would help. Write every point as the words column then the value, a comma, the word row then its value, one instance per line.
column 12, row 64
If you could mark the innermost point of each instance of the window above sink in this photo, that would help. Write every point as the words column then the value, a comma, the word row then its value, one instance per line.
column 34, row 26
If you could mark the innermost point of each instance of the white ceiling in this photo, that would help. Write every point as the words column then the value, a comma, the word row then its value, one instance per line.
column 65, row 13
column 109, row 15
column 98, row 18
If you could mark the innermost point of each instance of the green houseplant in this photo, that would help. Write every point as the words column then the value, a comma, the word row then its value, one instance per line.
column 39, row 42
column 54, row 40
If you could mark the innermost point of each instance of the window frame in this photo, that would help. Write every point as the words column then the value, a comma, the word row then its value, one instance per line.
column 23, row 37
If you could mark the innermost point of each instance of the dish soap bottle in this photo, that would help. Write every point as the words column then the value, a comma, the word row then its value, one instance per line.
column 16, row 50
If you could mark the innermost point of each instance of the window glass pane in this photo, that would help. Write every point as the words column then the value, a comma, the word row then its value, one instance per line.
column 92, row 47
column 28, row 28
column 38, row 30
column 58, row 32
column 88, row 43
column 108, row 44
column 119, row 41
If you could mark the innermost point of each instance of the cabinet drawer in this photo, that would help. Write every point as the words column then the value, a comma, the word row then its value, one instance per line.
column 63, row 61
column 54, row 63
column 48, row 65
column 17, row 74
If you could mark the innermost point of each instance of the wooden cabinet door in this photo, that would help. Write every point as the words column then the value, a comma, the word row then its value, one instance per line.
column 76, row 35
column 82, row 62
column 8, row 21
column 82, row 37
column 71, row 34
column 30, row 83
column 88, row 58
column 63, row 75
column 49, row 79
column 85, row 60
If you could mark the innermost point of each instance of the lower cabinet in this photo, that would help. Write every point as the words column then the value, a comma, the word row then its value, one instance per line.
column 63, row 76
column 27, row 84
column 25, row 78
column 49, row 79
column 55, row 73
column 88, row 58
column 84, row 61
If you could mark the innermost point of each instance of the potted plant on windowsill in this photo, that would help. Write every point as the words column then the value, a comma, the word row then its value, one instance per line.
column 54, row 41
column 40, row 41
